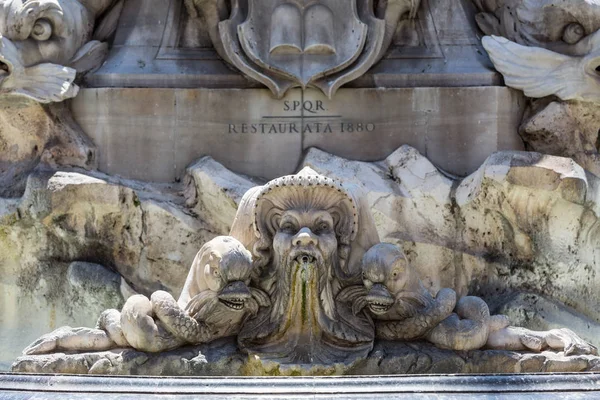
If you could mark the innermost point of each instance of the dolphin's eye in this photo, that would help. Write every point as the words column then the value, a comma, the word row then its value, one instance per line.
column 42, row 30
column 396, row 273
column 216, row 272
column 573, row 33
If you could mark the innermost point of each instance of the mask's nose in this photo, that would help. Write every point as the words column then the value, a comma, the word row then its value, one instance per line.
column 305, row 237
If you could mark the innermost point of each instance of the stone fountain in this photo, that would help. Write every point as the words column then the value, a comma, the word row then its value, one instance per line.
column 330, row 187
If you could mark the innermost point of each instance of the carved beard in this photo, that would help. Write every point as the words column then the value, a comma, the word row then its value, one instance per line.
column 300, row 321
column 305, row 324
column 288, row 268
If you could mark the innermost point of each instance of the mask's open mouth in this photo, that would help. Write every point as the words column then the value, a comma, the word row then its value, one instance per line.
column 305, row 255
column 305, row 258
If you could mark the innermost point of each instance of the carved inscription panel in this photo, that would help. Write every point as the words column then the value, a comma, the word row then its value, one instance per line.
column 302, row 116
column 253, row 133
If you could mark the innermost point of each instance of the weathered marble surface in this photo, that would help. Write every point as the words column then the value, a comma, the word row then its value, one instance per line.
column 32, row 133
column 567, row 129
column 413, row 204
column 129, row 227
column 221, row 358
column 303, row 278
column 456, row 128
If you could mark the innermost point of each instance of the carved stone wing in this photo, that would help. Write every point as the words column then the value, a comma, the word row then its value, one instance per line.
column 539, row 72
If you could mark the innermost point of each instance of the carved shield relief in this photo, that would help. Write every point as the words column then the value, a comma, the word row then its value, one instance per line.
column 303, row 39
column 291, row 43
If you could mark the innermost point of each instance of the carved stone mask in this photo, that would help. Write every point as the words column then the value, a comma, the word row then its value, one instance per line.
column 43, row 45
column 305, row 225
column 304, row 201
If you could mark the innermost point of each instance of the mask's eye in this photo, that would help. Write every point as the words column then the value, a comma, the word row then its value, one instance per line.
column 323, row 227
column 42, row 30
column 368, row 284
column 288, row 227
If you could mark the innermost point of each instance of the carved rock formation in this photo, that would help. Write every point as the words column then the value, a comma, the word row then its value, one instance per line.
column 437, row 220
column 566, row 129
column 522, row 222
column 296, row 297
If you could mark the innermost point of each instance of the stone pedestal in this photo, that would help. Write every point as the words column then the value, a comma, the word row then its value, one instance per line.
column 222, row 358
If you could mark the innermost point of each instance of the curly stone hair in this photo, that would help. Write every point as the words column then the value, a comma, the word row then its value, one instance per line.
column 303, row 191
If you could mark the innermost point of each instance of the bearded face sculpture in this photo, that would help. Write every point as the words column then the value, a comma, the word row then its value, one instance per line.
column 45, row 43
column 305, row 225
